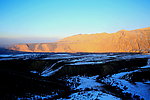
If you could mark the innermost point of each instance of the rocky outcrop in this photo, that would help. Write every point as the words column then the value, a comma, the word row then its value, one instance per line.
column 121, row 41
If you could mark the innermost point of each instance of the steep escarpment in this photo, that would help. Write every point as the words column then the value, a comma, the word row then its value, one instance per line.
column 121, row 41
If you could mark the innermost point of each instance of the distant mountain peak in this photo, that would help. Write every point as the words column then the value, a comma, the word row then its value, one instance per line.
column 121, row 41
column 122, row 31
column 147, row 28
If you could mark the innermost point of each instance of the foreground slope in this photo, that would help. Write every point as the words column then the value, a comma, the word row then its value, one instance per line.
column 121, row 41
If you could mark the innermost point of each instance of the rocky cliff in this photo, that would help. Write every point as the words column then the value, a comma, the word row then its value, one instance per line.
column 121, row 41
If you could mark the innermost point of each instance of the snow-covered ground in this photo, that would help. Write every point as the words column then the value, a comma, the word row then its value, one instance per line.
column 141, row 89
column 20, row 56
column 103, row 58
column 74, row 58
column 84, row 82
column 50, row 72
column 88, row 59
column 91, row 95
column 85, row 63
column 87, row 89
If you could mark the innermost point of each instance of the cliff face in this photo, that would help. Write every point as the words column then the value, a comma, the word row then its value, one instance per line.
column 121, row 41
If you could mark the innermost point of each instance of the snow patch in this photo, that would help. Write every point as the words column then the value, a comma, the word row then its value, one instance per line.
column 84, row 82
column 88, row 82
column 91, row 95
column 34, row 71
column 127, row 87
column 85, row 63
column 147, row 82
column 51, row 72
column 5, row 55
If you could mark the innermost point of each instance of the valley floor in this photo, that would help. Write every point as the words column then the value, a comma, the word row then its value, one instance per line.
column 75, row 76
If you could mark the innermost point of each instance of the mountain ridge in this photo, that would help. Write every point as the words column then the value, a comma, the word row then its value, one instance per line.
column 122, row 41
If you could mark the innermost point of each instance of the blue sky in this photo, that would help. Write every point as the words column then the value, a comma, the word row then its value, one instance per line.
column 62, row 18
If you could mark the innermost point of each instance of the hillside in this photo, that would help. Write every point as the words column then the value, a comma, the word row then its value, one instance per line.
column 122, row 41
